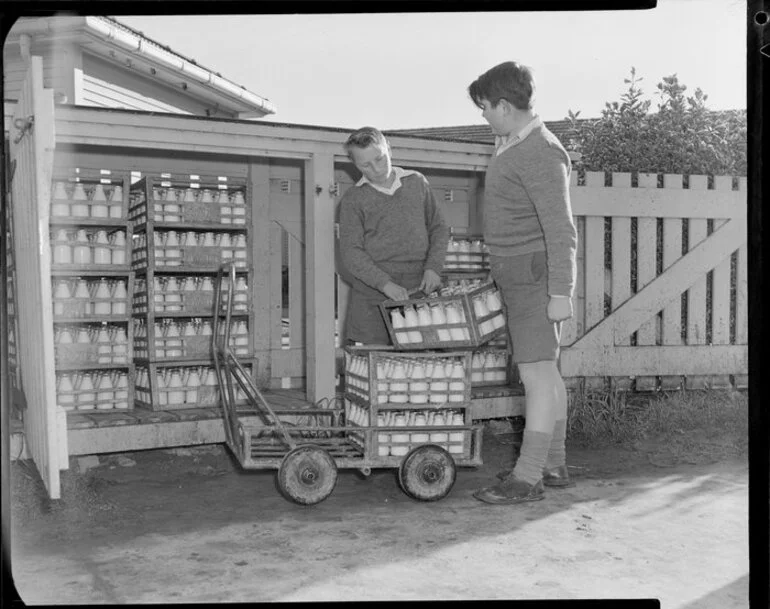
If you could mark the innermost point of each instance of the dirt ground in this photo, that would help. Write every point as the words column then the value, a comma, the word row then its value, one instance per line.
column 188, row 525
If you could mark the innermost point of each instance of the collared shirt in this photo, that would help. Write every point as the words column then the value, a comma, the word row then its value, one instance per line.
column 503, row 143
column 399, row 173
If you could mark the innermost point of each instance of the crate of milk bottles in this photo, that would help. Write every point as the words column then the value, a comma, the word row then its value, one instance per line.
column 187, row 295
column 464, row 314
column 88, row 298
column 91, row 345
column 174, row 339
column 91, row 248
column 376, row 376
column 491, row 366
column 193, row 200
column 161, row 387
column 466, row 253
column 96, row 197
column 189, row 249
column 94, row 390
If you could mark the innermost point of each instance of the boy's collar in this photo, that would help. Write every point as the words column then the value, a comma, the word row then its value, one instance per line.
column 503, row 143
column 398, row 173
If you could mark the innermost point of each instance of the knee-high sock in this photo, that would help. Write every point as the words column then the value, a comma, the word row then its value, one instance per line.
column 557, row 454
column 534, row 451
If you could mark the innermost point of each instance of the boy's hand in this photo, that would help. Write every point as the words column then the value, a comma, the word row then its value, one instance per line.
column 395, row 291
column 431, row 281
column 559, row 308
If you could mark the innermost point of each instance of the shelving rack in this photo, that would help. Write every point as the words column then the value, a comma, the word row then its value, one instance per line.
column 210, row 221
column 96, row 374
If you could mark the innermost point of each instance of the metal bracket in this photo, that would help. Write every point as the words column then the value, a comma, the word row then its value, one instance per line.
column 334, row 189
column 23, row 125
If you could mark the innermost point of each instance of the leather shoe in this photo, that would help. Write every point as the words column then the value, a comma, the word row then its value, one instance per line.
column 511, row 490
column 555, row 477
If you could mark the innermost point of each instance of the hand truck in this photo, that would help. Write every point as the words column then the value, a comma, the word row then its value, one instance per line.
column 308, row 449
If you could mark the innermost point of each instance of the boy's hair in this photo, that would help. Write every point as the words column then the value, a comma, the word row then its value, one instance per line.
column 510, row 81
column 363, row 138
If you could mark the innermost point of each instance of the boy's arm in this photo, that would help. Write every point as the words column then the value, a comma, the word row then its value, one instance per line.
column 438, row 232
column 354, row 256
column 547, row 184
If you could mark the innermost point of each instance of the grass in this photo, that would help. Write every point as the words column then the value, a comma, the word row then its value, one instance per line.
column 599, row 419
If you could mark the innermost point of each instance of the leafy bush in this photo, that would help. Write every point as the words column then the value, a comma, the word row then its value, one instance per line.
column 683, row 136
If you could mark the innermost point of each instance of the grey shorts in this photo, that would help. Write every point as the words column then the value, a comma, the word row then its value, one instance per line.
column 523, row 282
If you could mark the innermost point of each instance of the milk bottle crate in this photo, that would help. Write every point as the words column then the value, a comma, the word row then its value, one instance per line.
column 367, row 379
column 79, row 298
column 192, row 200
column 153, row 390
column 157, row 345
column 118, row 396
column 491, row 366
column 182, row 302
column 90, row 248
column 391, row 433
column 89, row 196
column 475, row 330
column 100, row 348
column 466, row 253
column 162, row 257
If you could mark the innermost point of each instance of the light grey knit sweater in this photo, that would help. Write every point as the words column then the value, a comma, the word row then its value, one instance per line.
column 379, row 231
column 527, row 206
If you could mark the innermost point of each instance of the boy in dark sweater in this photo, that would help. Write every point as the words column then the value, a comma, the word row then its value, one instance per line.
column 393, row 236
column 532, row 240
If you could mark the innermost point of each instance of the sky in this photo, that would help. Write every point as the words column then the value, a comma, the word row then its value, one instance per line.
column 408, row 70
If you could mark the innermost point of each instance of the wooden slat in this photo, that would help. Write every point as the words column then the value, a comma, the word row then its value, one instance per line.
column 646, row 267
column 621, row 267
column 675, row 360
column 659, row 203
column 720, row 294
column 594, row 268
column 33, row 155
column 671, row 323
column 296, row 293
column 696, row 294
column 276, row 286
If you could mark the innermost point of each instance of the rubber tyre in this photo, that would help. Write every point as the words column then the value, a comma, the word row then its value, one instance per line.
column 427, row 473
column 307, row 475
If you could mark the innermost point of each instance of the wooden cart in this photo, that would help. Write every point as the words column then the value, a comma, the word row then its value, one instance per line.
column 308, row 451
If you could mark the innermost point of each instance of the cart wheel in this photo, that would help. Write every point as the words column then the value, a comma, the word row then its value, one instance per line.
column 307, row 475
column 427, row 473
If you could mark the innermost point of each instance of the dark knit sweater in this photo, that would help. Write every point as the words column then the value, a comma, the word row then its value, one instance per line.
column 380, row 232
column 527, row 206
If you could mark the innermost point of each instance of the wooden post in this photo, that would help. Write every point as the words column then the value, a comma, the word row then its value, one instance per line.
column 319, row 251
column 260, row 290
column 741, row 299
column 720, row 294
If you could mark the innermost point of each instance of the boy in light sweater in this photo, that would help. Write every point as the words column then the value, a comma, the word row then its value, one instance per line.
column 532, row 240
column 393, row 236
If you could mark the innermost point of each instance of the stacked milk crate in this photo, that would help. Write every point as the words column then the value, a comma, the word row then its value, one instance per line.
column 419, row 390
column 466, row 265
column 91, row 281
column 185, row 228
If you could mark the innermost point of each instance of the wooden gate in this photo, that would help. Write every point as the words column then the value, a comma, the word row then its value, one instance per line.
column 669, row 298
column 32, row 150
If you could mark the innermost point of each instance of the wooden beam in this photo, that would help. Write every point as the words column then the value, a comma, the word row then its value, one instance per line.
column 259, row 291
column 683, row 273
column 656, row 202
column 319, row 251
column 675, row 360
column 102, row 127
